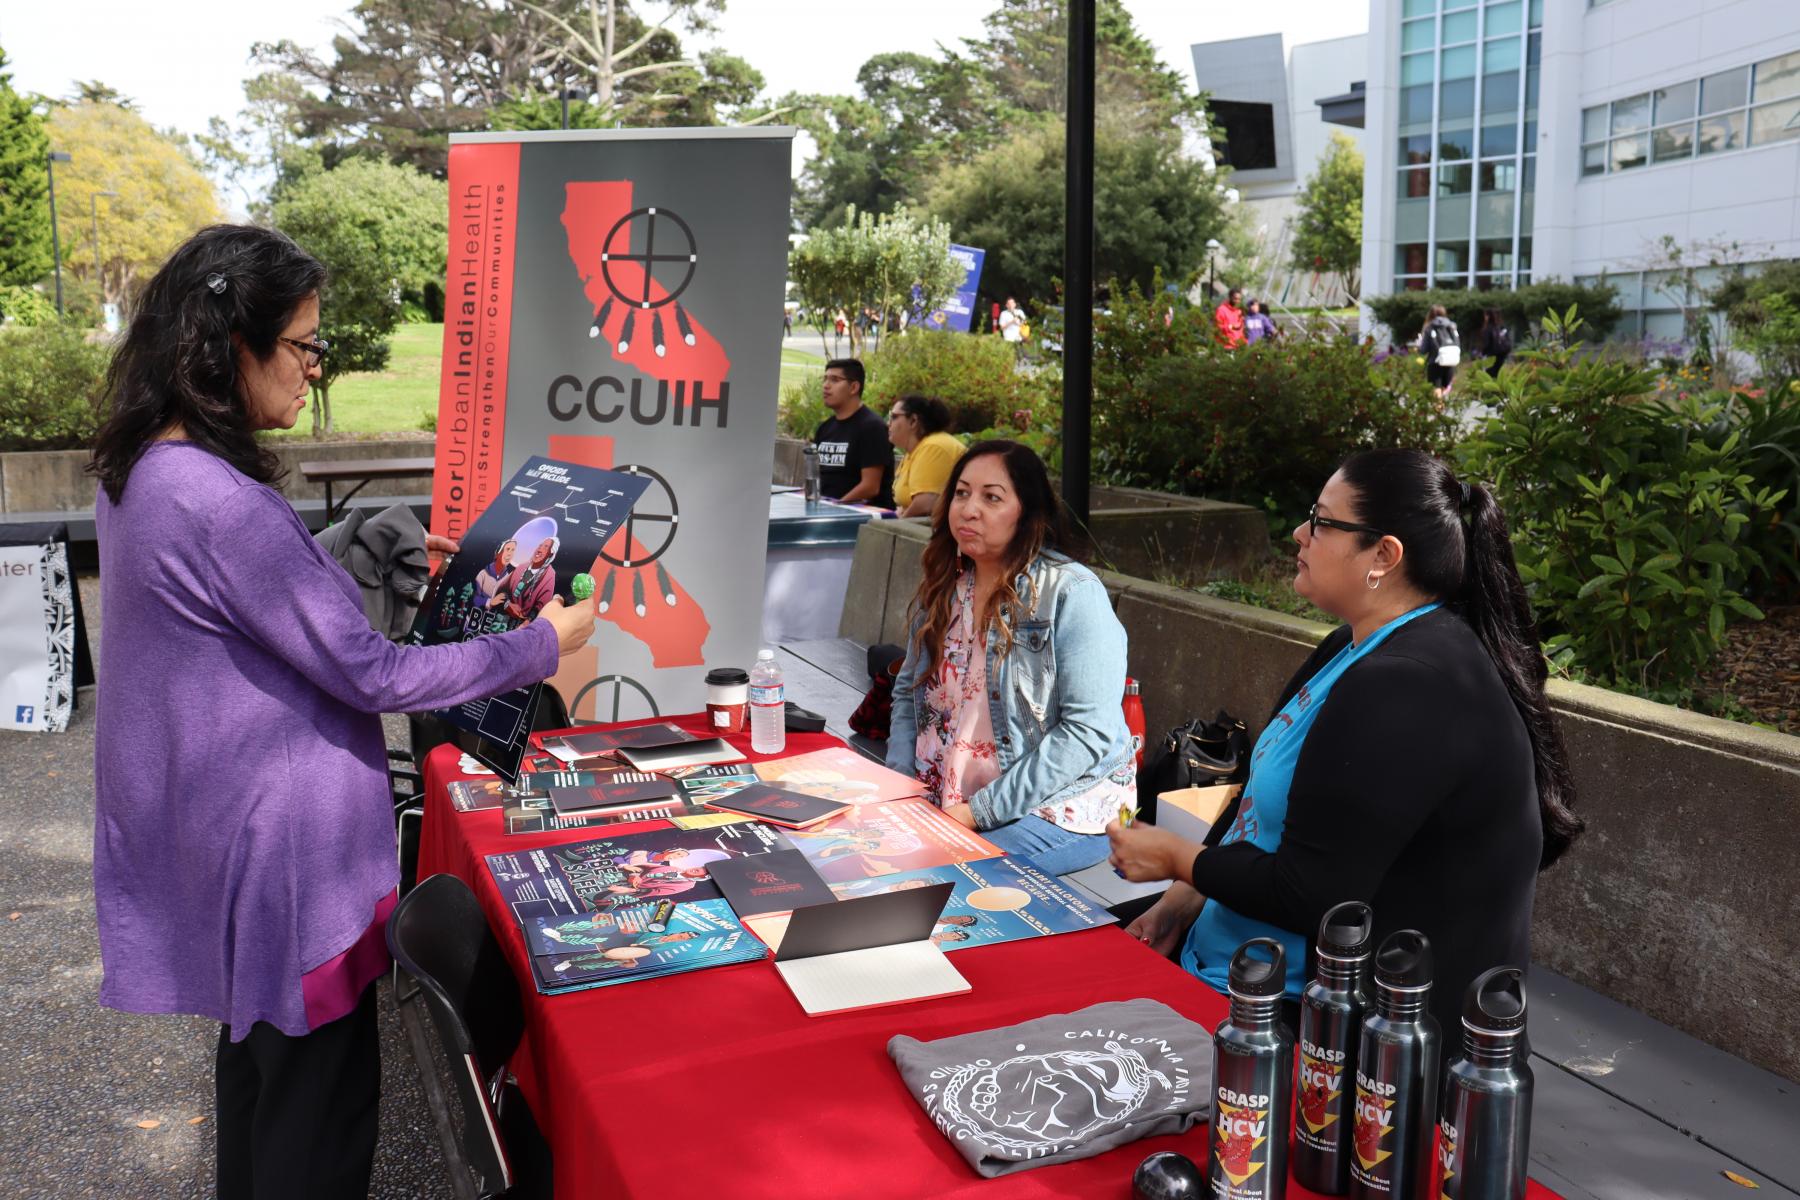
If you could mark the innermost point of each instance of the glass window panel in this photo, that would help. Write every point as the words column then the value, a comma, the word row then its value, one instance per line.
column 1528, row 175
column 1534, row 49
column 1505, row 18
column 1628, row 152
column 1629, row 286
column 1459, row 28
column 1417, row 35
column 1414, row 69
column 1500, row 93
column 1415, row 284
column 1531, row 89
column 1672, row 142
column 1415, row 183
column 1459, row 63
column 1499, row 176
column 1726, row 90
column 1415, row 149
column 1676, row 103
column 1456, row 100
column 1499, row 139
column 1721, row 133
column 1777, row 78
column 1455, row 179
column 1593, row 124
column 1665, row 326
column 1525, row 250
column 1537, row 14
column 1410, row 258
column 1415, row 105
column 1527, row 206
column 1492, row 283
column 1530, row 134
column 1412, row 220
column 1500, row 55
column 1455, row 144
column 1452, row 258
column 1494, row 216
column 1631, row 114
column 1452, row 215
column 1775, row 122
column 1452, row 4
column 1452, row 283
column 1494, row 254
column 1593, row 159
column 1418, row 8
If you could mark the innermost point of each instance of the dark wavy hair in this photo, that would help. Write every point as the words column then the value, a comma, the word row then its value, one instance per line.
column 1043, row 525
column 932, row 414
column 177, row 364
column 1458, row 551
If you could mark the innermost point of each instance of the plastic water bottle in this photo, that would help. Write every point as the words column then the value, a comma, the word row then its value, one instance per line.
column 768, row 705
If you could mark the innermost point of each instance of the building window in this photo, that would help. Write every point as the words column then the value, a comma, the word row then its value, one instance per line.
column 1244, row 136
column 1744, row 106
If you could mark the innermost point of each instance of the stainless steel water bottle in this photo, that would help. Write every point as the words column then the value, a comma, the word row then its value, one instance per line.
column 1331, row 1015
column 809, row 472
column 1485, row 1134
column 1396, row 1078
column 1253, row 1080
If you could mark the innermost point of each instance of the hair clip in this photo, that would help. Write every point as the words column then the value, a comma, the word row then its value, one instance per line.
column 217, row 283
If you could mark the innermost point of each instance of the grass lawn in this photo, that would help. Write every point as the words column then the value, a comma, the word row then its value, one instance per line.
column 398, row 399
column 392, row 401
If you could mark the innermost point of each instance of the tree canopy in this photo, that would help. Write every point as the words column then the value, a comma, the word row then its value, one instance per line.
column 1328, row 234
column 874, row 262
column 24, row 187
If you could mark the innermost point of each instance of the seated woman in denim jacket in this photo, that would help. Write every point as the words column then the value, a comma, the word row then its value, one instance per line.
column 1008, row 706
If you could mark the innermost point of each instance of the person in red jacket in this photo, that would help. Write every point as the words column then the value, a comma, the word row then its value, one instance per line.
column 1230, row 320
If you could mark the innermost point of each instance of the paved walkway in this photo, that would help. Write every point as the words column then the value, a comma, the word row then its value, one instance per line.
column 81, row 1081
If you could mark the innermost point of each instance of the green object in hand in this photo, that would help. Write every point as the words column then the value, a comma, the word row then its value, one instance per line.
column 582, row 586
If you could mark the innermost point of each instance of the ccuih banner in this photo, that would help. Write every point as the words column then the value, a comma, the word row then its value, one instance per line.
column 609, row 302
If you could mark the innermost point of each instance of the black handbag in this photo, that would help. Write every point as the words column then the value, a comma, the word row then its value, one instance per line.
column 1197, row 754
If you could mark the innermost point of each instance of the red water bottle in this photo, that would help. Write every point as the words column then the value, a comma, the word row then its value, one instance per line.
column 1134, row 718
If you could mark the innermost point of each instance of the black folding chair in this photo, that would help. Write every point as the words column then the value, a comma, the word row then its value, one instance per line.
column 439, row 936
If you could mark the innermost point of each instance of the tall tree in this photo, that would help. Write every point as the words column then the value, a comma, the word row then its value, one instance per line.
column 381, row 231
column 24, row 187
column 1154, row 208
column 160, row 196
column 265, row 148
column 92, row 91
column 1329, row 229
column 872, row 261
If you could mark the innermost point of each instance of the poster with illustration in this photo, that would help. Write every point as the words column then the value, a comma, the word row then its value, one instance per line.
column 885, row 839
column 514, row 559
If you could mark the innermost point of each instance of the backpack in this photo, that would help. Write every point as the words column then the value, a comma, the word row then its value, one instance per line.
column 1447, row 341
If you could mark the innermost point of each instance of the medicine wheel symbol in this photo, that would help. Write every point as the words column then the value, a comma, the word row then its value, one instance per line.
column 669, row 518
column 678, row 247
column 625, row 692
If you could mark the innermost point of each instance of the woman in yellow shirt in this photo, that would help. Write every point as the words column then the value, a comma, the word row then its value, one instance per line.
column 916, row 425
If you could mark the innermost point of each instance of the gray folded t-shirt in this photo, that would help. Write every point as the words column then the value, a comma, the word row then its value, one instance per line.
column 1062, row 1087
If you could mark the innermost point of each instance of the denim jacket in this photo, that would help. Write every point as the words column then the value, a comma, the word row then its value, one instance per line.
column 1056, row 699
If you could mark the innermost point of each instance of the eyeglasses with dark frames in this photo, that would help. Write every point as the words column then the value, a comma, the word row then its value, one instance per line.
column 1314, row 520
column 314, row 351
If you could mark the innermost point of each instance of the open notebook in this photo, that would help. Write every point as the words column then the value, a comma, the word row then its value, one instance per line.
column 867, row 952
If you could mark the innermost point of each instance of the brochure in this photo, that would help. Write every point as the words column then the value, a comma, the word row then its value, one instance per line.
column 885, row 839
column 779, row 881
column 643, row 942
column 995, row 900
column 840, row 774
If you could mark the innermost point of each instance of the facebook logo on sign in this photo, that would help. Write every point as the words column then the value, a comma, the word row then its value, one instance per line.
column 25, row 714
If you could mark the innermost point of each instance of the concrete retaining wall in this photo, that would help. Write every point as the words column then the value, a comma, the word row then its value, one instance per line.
column 1683, row 898
column 56, row 480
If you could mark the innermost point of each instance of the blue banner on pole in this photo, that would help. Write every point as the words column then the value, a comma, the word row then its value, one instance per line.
column 959, row 308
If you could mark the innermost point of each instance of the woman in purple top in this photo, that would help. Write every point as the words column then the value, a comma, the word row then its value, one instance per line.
column 1257, row 323
column 244, row 840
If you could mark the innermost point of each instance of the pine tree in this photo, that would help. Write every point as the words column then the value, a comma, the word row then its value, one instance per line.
column 24, row 187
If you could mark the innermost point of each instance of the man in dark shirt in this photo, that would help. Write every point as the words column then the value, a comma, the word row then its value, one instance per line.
column 856, row 460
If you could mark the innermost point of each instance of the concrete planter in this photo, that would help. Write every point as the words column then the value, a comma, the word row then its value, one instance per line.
column 46, row 481
column 1683, row 898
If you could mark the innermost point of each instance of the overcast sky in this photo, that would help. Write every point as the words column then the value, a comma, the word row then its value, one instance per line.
column 185, row 62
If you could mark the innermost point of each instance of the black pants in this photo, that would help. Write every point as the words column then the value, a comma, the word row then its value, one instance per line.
column 297, row 1115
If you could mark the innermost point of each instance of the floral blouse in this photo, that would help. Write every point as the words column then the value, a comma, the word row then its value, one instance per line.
column 955, row 749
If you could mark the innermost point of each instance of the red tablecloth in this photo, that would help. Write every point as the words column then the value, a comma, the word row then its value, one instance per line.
column 716, row 1084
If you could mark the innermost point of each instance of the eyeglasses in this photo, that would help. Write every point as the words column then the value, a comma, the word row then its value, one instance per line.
column 895, row 414
column 1314, row 520
column 313, row 351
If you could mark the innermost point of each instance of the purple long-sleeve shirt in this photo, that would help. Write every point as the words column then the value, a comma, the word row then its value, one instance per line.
column 243, row 829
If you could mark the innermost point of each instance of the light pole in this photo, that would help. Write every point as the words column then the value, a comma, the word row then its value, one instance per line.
column 1212, row 257
column 56, row 156
column 94, row 224
column 569, row 94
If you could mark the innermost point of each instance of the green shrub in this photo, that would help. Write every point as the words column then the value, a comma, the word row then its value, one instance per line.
column 1264, row 425
column 801, row 409
column 1766, row 421
column 49, row 375
column 21, row 305
column 1405, row 313
column 1628, row 523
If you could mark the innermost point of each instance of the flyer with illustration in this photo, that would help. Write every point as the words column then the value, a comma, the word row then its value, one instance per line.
column 885, row 839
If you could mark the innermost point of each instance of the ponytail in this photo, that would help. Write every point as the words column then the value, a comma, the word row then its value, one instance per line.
column 1458, row 550
column 1494, row 603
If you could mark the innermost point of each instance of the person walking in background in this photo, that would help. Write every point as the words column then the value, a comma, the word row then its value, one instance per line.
column 916, row 425
column 1012, row 326
column 1496, row 341
column 856, row 463
column 1229, row 320
column 1258, row 324
column 1441, row 346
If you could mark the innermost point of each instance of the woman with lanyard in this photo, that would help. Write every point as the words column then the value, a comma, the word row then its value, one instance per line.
column 1412, row 761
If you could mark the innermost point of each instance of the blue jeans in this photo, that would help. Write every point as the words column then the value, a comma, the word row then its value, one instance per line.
column 1049, row 847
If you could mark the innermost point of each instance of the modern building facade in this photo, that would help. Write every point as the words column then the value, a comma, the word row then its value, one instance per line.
column 1512, row 140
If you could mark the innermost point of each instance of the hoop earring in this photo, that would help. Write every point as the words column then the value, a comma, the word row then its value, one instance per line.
column 1373, row 580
